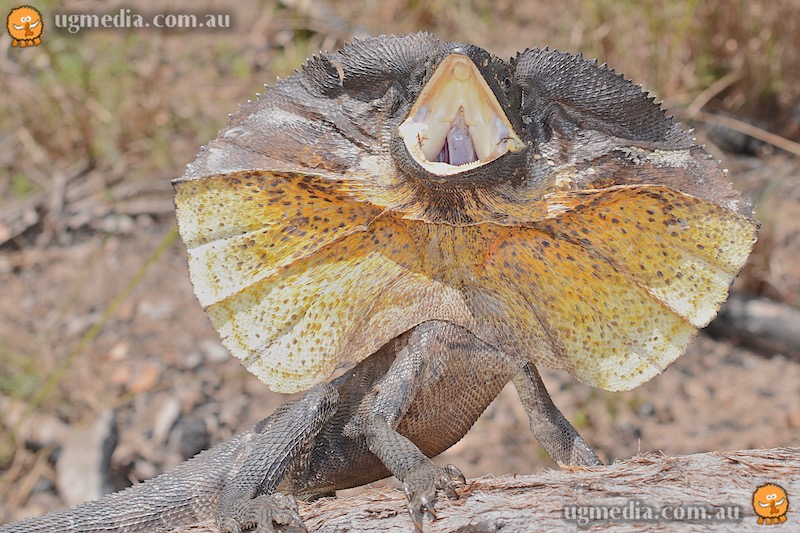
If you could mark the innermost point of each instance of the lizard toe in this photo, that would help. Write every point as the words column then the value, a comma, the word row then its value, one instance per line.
column 263, row 512
column 228, row 525
column 421, row 486
column 283, row 511
column 416, row 517
column 449, row 474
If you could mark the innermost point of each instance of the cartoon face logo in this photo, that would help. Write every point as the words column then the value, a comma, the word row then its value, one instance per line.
column 25, row 26
column 771, row 504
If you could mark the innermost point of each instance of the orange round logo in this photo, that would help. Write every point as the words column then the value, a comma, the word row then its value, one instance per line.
column 25, row 26
column 771, row 504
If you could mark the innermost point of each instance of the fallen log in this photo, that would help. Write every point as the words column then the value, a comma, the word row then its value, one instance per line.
column 759, row 323
column 701, row 492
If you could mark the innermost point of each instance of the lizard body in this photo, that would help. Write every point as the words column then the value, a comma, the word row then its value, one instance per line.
column 208, row 487
column 444, row 221
column 371, row 422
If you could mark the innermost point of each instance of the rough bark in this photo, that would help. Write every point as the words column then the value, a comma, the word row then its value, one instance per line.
column 537, row 502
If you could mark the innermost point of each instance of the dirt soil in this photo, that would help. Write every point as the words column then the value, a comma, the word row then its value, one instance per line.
column 97, row 315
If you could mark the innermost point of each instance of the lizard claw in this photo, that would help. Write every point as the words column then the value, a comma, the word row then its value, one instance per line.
column 416, row 517
column 281, row 510
column 428, row 505
column 420, row 487
column 455, row 473
column 416, row 511
column 449, row 474
column 263, row 512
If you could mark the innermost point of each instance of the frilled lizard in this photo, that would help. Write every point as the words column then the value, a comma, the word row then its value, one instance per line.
column 446, row 221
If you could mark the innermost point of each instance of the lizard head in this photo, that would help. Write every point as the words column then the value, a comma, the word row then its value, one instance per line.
column 544, row 203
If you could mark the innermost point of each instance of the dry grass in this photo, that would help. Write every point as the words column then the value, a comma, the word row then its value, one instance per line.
column 136, row 104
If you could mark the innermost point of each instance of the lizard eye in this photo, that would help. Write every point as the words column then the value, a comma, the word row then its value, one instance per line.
column 506, row 83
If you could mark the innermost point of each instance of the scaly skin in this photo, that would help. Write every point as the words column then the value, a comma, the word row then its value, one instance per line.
column 445, row 221
column 545, row 207
column 232, row 484
column 411, row 400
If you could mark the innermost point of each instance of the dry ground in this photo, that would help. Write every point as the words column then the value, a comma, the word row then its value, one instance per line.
column 96, row 309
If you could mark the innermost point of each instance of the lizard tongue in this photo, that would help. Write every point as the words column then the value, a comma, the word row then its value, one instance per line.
column 456, row 122
column 458, row 148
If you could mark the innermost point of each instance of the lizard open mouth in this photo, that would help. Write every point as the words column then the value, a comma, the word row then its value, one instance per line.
column 457, row 124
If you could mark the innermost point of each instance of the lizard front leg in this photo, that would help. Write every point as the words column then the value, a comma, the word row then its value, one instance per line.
column 554, row 432
column 420, row 359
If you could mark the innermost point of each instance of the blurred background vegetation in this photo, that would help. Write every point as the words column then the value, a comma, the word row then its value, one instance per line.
column 136, row 104
column 95, row 124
